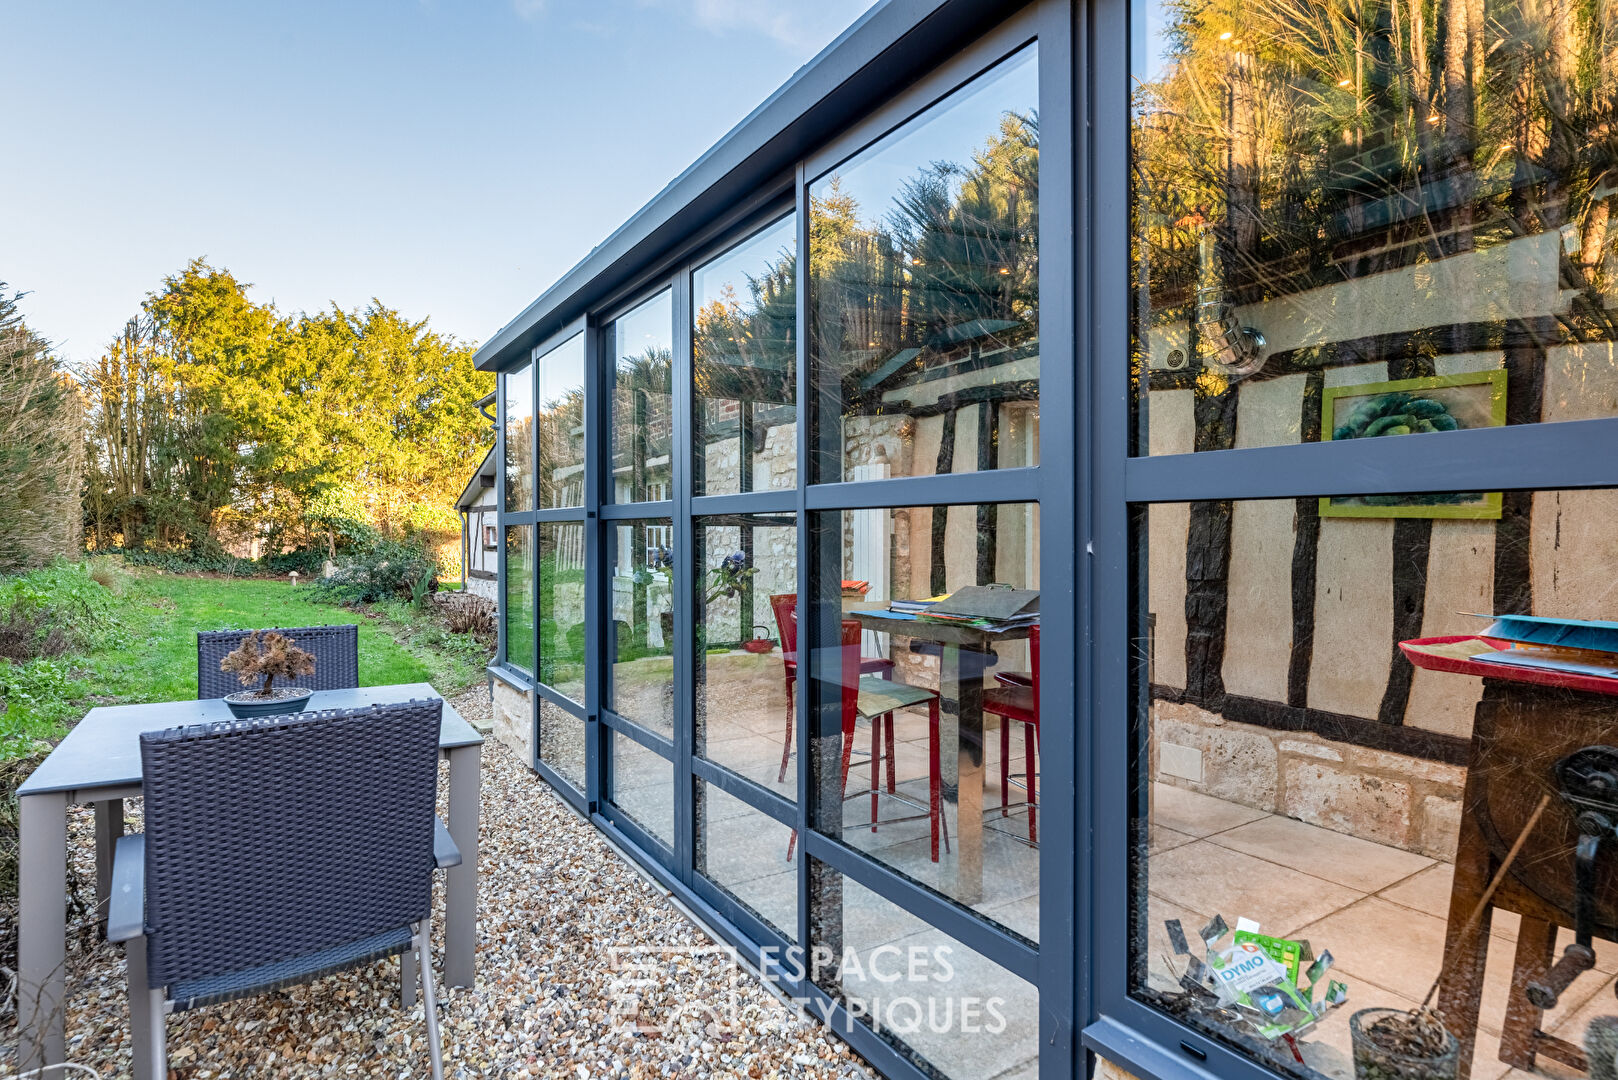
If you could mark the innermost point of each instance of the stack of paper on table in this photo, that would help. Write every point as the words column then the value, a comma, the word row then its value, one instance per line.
column 987, row 607
column 1575, row 646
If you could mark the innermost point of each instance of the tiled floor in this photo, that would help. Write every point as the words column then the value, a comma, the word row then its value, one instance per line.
column 742, row 726
column 1379, row 910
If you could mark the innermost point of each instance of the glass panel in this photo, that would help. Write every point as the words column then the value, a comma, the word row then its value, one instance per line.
column 924, row 290
column 745, row 344
column 640, row 561
column 561, row 607
column 950, row 1009
column 561, row 424
column 1316, row 752
column 519, row 471
column 561, row 742
column 641, row 345
column 641, row 784
column 744, row 852
column 518, row 609
column 745, row 674
column 930, row 689
column 1347, row 224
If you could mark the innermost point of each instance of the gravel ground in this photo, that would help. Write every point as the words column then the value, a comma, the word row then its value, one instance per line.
column 563, row 922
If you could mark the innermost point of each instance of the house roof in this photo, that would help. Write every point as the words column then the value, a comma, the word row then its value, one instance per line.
column 475, row 487
column 889, row 47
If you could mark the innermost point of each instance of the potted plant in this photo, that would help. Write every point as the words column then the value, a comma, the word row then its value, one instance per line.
column 1399, row 1044
column 263, row 657
column 1415, row 1044
column 728, row 577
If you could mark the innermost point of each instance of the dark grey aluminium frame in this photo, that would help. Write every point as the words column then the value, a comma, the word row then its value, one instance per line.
column 905, row 55
column 1114, row 484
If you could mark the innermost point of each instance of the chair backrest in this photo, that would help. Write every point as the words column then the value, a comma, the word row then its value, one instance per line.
column 336, row 651
column 785, row 606
column 853, row 634
column 1033, row 663
column 273, row 838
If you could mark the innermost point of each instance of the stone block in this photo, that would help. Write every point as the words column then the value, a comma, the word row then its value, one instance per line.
column 1106, row 1070
column 1310, row 749
column 1370, row 807
column 1239, row 763
column 1440, row 827
column 513, row 719
column 1452, row 776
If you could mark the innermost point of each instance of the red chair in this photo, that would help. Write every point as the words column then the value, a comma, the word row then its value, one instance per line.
column 876, row 699
column 785, row 606
column 1020, row 704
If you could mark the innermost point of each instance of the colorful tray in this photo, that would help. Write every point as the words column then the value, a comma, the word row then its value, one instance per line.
column 1561, row 679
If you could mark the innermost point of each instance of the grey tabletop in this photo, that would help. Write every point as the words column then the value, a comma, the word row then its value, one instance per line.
column 949, row 633
column 104, row 749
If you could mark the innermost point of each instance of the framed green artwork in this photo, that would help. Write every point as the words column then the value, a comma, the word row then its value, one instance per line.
column 1413, row 406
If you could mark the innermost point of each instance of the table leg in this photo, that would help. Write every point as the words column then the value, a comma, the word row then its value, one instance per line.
column 109, row 827
column 461, row 882
column 961, row 676
column 140, row 1007
column 407, row 979
column 42, row 930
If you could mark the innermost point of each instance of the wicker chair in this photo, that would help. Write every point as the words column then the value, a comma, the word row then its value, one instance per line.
column 336, row 650
column 276, row 851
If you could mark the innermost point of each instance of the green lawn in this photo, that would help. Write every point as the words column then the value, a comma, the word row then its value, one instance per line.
column 151, row 653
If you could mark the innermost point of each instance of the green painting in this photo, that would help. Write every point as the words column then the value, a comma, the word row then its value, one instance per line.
column 1411, row 407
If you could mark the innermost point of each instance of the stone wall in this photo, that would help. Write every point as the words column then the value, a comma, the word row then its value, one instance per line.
column 1392, row 799
column 513, row 717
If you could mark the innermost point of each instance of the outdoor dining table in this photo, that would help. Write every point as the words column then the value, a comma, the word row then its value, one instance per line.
column 964, row 649
column 99, row 763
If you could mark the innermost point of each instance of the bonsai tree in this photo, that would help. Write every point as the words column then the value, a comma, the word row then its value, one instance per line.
column 267, row 656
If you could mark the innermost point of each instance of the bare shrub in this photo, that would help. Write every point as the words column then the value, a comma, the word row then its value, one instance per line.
column 465, row 613
column 28, row 635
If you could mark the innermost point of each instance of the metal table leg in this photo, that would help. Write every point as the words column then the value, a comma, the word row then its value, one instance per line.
column 42, row 930
column 140, row 1010
column 461, row 882
column 961, row 675
column 109, row 827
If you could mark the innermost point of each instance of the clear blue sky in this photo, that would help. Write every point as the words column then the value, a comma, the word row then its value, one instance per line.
column 450, row 157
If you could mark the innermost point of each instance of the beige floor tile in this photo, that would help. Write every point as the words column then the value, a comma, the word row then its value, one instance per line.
column 1196, row 814
column 1384, row 944
column 1347, row 860
column 1427, row 891
column 1164, row 838
column 1205, row 877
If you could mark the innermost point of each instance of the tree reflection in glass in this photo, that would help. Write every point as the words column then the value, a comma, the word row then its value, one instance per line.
column 744, row 343
column 1414, row 190
column 642, row 347
column 561, row 425
column 924, row 271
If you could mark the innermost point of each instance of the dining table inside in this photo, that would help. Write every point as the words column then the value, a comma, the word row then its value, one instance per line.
column 965, row 653
column 99, row 763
